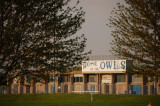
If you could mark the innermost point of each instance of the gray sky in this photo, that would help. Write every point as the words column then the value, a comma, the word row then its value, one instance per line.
column 97, row 33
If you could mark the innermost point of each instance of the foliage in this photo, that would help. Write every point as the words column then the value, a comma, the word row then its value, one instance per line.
column 137, row 34
column 37, row 36
column 78, row 68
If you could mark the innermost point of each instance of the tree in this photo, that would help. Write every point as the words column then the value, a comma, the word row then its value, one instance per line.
column 137, row 34
column 36, row 36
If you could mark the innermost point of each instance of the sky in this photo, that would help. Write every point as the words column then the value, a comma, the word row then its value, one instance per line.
column 95, row 29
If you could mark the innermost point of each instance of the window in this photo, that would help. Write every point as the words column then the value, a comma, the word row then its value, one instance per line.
column 27, row 89
column 136, row 78
column 81, row 79
column 16, row 80
column 120, row 78
column 22, row 79
column 39, row 79
column 66, row 78
column 51, row 77
column 28, row 79
column 78, row 79
column 92, row 87
column 92, row 78
column 15, row 89
column 151, row 79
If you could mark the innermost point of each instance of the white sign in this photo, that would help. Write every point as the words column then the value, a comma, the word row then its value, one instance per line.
column 104, row 66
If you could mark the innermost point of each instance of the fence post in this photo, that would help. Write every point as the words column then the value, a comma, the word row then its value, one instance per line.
column 91, row 96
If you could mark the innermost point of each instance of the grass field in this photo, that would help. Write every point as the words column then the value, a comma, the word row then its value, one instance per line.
column 79, row 99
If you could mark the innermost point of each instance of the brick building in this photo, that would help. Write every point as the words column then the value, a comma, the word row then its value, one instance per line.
column 108, row 76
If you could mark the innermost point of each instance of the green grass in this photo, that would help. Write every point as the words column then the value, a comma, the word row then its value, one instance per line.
column 79, row 99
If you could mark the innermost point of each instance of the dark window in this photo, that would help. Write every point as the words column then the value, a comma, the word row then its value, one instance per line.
column 15, row 89
column 66, row 78
column 92, row 78
column 27, row 89
column 78, row 79
column 38, row 79
column 120, row 78
column 136, row 78
column 51, row 77
column 22, row 80
column 150, row 79
column 81, row 79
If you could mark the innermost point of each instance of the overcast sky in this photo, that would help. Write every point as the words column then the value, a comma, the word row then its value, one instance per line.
column 97, row 16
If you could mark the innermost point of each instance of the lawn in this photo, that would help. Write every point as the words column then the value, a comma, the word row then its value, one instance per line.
column 79, row 99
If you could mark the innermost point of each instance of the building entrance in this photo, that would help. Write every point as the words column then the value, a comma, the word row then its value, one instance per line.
column 137, row 89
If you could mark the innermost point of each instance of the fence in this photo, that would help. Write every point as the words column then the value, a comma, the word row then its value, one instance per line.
column 66, row 88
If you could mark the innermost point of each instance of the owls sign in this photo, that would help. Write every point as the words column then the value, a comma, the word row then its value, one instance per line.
column 105, row 66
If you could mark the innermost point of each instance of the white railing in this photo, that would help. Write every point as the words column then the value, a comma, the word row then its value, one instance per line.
column 87, row 92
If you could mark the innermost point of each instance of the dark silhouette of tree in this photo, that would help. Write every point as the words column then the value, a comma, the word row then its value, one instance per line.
column 37, row 36
column 137, row 34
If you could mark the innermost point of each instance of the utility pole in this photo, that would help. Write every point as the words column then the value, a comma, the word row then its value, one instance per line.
column 54, row 64
column 54, row 82
column 99, row 83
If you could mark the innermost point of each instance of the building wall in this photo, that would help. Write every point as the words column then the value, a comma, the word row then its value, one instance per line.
column 111, row 87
